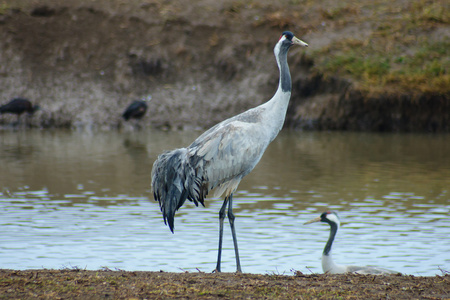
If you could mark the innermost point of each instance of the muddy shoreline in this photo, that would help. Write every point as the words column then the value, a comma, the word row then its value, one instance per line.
column 83, row 62
column 101, row 284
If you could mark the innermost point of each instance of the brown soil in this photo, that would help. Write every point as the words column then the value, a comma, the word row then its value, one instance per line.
column 83, row 61
column 106, row 284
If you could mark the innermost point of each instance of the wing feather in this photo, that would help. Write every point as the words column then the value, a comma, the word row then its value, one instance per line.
column 219, row 158
column 228, row 154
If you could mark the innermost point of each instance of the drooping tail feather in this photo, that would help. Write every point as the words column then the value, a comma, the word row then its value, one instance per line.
column 173, row 181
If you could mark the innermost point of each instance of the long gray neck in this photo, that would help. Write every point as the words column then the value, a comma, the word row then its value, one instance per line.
column 275, row 109
column 285, row 76
column 334, row 228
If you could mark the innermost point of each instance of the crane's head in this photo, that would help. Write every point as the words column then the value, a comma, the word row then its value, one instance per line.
column 327, row 217
column 289, row 38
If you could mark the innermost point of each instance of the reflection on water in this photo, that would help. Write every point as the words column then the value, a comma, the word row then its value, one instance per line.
column 83, row 199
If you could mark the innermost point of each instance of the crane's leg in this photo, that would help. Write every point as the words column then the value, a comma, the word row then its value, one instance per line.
column 221, row 218
column 233, row 232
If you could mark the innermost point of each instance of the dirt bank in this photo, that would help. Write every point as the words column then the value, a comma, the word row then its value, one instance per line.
column 84, row 61
column 82, row 284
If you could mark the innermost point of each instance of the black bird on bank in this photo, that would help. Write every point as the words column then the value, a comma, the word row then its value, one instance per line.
column 18, row 106
column 135, row 110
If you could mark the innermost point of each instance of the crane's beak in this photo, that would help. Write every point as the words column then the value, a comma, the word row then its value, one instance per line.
column 312, row 221
column 297, row 41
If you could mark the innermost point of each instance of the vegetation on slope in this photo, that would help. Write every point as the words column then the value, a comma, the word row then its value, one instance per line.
column 371, row 65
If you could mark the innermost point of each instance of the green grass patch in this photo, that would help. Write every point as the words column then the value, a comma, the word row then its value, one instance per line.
column 402, row 51
column 4, row 7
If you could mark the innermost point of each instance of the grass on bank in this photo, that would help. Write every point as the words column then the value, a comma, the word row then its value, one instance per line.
column 401, row 46
column 403, row 52
column 425, row 71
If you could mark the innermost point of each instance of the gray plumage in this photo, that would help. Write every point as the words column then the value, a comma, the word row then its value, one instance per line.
column 220, row 157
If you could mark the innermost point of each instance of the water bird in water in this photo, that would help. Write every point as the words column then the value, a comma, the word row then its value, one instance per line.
column 135, row 110
column 328, row 264
column 220, row 157
column 18, row 106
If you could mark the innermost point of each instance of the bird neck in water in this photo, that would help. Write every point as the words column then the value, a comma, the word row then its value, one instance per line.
column 333, row 230
column 329, row 266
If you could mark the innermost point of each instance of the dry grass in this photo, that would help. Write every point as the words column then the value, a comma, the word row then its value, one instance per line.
column 83, row 284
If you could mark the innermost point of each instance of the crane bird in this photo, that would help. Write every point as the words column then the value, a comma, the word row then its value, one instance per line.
column 136, row 110
column 224, row 154
column 328, row 264
column 18, row 106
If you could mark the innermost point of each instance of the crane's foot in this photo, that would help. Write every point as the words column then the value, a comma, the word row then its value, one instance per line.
column 217, row 271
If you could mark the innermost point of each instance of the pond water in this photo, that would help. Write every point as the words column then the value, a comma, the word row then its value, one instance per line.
column 82, row 199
